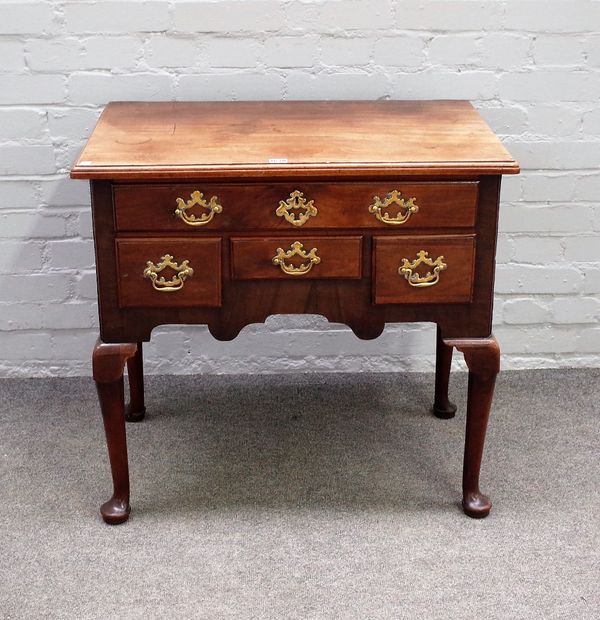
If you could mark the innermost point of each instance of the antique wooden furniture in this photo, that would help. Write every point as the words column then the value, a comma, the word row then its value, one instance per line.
column 225, row 213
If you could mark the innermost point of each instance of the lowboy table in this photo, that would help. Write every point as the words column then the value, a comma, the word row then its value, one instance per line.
column 225, row 213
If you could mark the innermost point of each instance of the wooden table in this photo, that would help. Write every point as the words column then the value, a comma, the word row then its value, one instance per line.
column 225, row 213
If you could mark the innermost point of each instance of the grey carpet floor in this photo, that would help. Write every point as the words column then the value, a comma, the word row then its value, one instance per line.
column 304, row 496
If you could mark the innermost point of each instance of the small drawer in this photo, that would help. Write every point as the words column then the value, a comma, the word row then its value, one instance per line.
column 426, row 269
column 389, row 205
column 296, row 258
column 169, row 272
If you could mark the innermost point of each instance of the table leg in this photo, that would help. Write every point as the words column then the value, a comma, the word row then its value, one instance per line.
column 442, row 407
column 108, row 362
column 136, row 410
column 483, row 360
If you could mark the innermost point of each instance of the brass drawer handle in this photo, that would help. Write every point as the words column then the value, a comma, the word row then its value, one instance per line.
column 197, row 198
column 182, row 272
column 429, row 279
column 297, row 249
column 289, row 209
column 405, row 210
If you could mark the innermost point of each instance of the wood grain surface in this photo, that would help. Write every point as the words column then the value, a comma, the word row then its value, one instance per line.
column 253, row 206
column 139, row 140
column 340, row 257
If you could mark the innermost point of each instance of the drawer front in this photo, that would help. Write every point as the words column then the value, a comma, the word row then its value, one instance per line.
column 424, row 269
column 291, row 206
column 169, row 272
column 296, row 258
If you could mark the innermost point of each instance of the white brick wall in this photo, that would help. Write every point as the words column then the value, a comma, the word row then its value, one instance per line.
column 531, row 67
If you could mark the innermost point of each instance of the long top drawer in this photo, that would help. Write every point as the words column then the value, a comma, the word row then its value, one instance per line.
column 290, row 206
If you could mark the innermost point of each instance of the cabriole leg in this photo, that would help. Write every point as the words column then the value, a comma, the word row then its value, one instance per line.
column 136, row 410
column 108, row 362
column 442, row 407
column 483, row 360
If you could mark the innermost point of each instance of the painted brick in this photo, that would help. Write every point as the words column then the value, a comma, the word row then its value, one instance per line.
column 574, row 310
column 17, row 195
column 236, row 86
column 71, row 254
column 338, row 51
column 556, row 155
column 542, row 187
column 582, row 249
column 21, row 124
column 537, row 250
column 534, row 80
column 104, row 52
column 591, row 122
column 228, row 16
column 454, row 49
column 102, row 88
column 529, row 279
column 505, row 120
column 172, row 52
column 24, row 89
column 340, row 85
column 546, row 86
column 593, row 50
column 68, row 316
column 588, row 187
column 32, row 346
column 85, row 285
column 64, row 192
column 441, row 15
column 72, row 123
column 512, row 189
column 552, row 16
column 546, row 219
column 591, row 283
column 525, row 311
column 553, row 120
column 21, row 160
column 504, row 249
column 439, row 85
column 21, row 316
column 85, row 224
column 122, row 17
column 290, row 51
column 54, row 55
column 400, row 51
column 27, row 17
column 588, row 340
column 20, row 256
column 34, row 288
column 71, row 343
column 12, row 54
column 31, row 225
column 558, row 50
column 355, row 15
column 230, row 52
column 505, row 51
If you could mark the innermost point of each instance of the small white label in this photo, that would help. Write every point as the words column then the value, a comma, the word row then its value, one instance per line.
column 278, row 160
column 87, row 162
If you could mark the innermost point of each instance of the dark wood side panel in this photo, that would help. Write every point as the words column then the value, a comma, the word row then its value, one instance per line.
column 253, row 206
column 339, row 257
column 454, row 283
column 201, row 288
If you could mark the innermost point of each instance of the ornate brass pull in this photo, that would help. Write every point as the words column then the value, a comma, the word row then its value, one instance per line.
column 182, row 272
column 406, row 208
column 431, row 278
column 296, row 201
column 197, row 198
column 297, row 249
